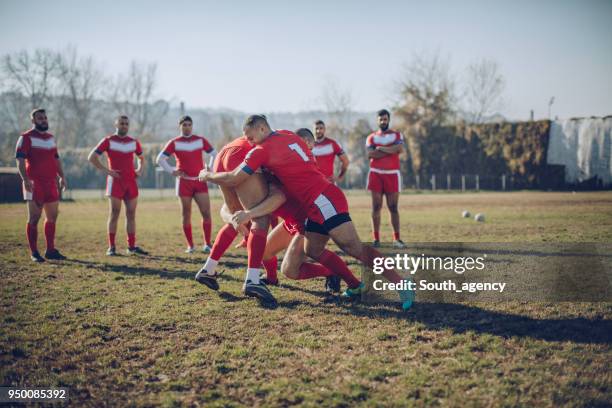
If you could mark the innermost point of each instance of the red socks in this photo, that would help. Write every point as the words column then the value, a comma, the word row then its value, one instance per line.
column 396, row 236
column 310, row 270
column 131, row 240
column 111, row 239
column 256, row 245
column 271, row 266
column 337, row 266
column 224, row 239
column 32, row 234
column 207, row 229
column 50, row 235
column 376, row 235
column 188, row 234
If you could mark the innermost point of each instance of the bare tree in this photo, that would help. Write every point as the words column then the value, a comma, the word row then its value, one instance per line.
column 338, row 103
column 133, row 95
column 427, row 91
column 427, row 98
column 28, row 80
column 483, row 90
column 80, row 82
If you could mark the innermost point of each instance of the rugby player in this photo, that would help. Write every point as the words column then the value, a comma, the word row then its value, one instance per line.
column 189, row 150
column 120, row 181
column 288, row 236
column 384, row 178
column 236, row 198
column 325, row 152
column 40, row 170
column 286, row 156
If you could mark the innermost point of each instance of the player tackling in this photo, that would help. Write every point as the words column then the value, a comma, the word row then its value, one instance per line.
column 285, row 155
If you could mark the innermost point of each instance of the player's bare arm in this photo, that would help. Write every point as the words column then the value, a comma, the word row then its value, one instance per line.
column 275, row 199
column 94, row 158
column 376, row 154
column 225, row 178
column 60, row 172
column 141, row 165
column 394, row 149
column 344, row 160
column 27, row 183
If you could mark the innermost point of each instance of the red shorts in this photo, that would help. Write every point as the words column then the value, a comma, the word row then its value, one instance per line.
column 43, row 191
column 329, row 210
column 124, row 189
column 293, row 217
column 229, row 159
column 189, row 188
column 389, row 181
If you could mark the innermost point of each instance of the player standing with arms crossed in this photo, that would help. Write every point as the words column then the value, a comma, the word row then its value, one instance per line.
column 120, row 181
column 189, row 150
column 384, row 147
column 40, row 169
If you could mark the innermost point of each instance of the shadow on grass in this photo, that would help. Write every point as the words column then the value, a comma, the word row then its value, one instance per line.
column 439, row 316
column 463, row 318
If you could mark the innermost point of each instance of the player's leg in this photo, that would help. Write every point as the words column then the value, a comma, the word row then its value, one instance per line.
column 294, row 265
column 114, row 207
column 225, row 236
column 392, row 204
column 314, row 246
column 376, row 189
column 252, row 192
column 34, row 213
column 346, row 237
column 278, row 239
column 51, row 212
column 203, row 201
column 186, row 221
column 130, row 226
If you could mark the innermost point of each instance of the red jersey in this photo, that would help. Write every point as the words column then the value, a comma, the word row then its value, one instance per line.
column 40, row 153
column 120, row 151
column 286, row 155
column 239, row 144
column 188, row 152
column 325, row 153
column 387, row 138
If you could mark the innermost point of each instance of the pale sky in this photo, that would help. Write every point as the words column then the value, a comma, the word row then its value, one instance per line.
column 277, row 55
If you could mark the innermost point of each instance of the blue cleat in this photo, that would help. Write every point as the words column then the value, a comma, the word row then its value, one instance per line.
column 406, row 296
column 354, row 293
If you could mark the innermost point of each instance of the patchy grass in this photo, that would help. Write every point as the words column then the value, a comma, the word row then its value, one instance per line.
column 140, row 331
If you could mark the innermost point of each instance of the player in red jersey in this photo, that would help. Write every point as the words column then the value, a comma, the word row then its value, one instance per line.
column 120, row 181
column 40, row 169
column 289, row 236
column 325, row 152
column 189, row 150
column 384, row 178
column 237, row 198
column 286, row 156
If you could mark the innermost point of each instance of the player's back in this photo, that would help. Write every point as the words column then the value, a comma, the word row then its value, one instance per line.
column 290, row 160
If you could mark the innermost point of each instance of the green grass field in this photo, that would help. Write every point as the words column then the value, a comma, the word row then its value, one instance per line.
column 139, row 331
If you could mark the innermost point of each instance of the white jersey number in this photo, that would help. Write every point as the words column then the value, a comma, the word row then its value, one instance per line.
column 296, row 148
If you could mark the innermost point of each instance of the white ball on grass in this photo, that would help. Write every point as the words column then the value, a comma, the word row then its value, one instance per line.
column 466, row 214
column 479, row 217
